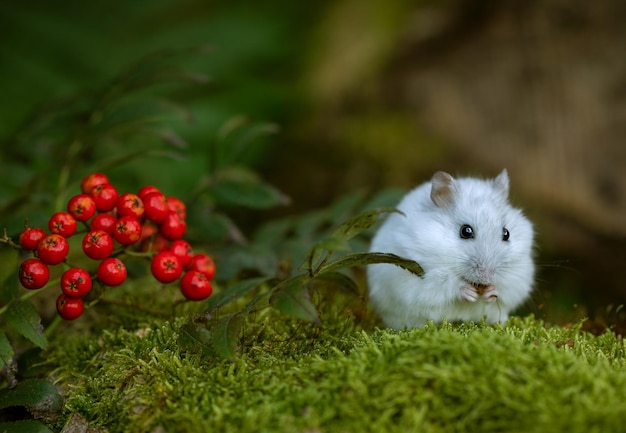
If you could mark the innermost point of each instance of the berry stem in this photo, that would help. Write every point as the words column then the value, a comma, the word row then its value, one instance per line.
column 5, row 239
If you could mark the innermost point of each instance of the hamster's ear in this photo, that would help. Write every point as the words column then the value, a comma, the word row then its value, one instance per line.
column 502, row 183
column 443, row 190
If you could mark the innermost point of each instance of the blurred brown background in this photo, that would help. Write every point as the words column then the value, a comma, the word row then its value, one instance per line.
column 397, row 91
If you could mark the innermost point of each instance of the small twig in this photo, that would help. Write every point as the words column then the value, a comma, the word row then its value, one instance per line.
column 5, row 239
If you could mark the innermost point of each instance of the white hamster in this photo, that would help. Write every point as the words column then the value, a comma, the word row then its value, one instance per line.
column 474, row 247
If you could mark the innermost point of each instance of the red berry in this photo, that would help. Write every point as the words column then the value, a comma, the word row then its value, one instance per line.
column 156, row 243
column 155, row 206
column 166, row 267
column 105, row 196
column 195, row 286
column 75, row 282
column 98, row 244
column 203, row 263
column 30, row 237
column 53, row 249
column 103, row 222
column 150, row 238
column 34, row 274
column 82, row 207
column 69, row 308
column 111, row 272
column 129, row 204
column 148, row 230
column 173, row 227
column 148, row 189
column 183, row 250
column 90, row 182
column 127, row 230
column 62, row 223
column 177, row 205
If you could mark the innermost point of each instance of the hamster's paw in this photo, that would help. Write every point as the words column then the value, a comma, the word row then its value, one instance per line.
column 468, row 293
column 490, row 294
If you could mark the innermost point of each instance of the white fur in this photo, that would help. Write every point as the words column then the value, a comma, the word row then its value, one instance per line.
column 429, row 233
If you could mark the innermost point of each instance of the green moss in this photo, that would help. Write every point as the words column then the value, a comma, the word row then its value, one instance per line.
column 292, row 377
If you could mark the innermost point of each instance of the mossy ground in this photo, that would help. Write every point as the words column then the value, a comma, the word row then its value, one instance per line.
column 292, row 376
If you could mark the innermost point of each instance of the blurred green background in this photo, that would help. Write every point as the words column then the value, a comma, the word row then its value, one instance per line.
column 223, row 65
column 51, row 51
column 356, row 97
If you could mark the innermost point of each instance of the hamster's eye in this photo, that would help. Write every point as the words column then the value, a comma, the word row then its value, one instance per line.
column 505, row 234
column 467, row 232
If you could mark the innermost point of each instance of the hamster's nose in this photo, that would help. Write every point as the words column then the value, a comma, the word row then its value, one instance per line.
column 484, row 274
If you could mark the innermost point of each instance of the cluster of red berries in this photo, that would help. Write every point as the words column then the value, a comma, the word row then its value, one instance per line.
column 150, row 221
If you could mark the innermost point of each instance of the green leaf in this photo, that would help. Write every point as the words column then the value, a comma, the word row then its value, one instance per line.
column 255, row 195
column 6, row 351
column 332, row 244
column 234, row 259
column 240, row 187
column 235, row 292
column 212, row 226
column 359, row 223
column 236, row 139
column 253, row 306
column 335, row 280
column 226, row 335
column 314, row 257
column 27, row 426
column 292, row 297
column 36, row 394
column 23, row 317
column 196, row 339
column 361, row 259
column 338, row 240
column 321, row 252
